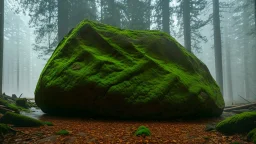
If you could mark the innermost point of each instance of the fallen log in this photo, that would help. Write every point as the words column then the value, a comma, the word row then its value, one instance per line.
column 239, row 107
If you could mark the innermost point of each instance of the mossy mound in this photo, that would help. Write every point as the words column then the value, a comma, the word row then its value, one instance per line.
column 9, row 106
column 4, row 129
column 104, row 71
column 62, row 132
column 251, row 136
column 23, row 102
column 142, row 131
column 239, row 123
column 19, row 120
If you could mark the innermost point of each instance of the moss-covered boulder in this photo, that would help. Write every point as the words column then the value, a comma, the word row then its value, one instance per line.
column 19, row 120
column 102, row 70
column 239, row 123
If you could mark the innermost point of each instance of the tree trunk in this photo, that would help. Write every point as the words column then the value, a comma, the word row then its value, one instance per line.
column 228, row 59
column 246, row 49
column 1, row 42
column 186, row 21
column 114, row 13
column 148, row 15
column 217, row 44
column 18, row 56
column 255, row 13
column 62, row 19
column 166, row 16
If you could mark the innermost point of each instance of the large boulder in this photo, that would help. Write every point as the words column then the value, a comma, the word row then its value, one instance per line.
column 105, row 71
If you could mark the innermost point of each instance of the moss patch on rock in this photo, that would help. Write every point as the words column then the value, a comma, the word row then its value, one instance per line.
column 239, row 123
column 110, row 72
column 19, row 120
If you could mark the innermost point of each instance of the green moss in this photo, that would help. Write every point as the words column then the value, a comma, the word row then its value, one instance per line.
column 142, row 66
column 48, row 123
column 22, row 102
column 19, row 120
column 239, row 123
column 142, row 131
column 4, row 129
column 251, row 136
column 62, row 132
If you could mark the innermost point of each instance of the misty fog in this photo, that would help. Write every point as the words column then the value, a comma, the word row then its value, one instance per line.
column 31, row 36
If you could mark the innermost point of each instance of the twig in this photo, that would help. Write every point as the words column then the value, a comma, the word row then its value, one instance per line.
column 244, row 99
column 20, row 95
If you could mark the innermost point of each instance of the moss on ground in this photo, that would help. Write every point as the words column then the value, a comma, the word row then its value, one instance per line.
column 19, row 120
column 239, row 123
column 62, row 132
column 4, row 129
column 251, row 136
column 143, row 131
column 139, row 66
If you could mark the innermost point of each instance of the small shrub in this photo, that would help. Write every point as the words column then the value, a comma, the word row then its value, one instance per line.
column 48, row 123
column 19, row 120
column 142, row 131
column 62, row 132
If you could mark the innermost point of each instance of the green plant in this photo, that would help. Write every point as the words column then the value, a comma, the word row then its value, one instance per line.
column 143, row 131
column 62, row 132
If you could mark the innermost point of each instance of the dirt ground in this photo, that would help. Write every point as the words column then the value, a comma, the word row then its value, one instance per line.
column 89, row 131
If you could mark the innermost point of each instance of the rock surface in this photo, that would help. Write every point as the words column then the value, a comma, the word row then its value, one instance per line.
column 100, row 70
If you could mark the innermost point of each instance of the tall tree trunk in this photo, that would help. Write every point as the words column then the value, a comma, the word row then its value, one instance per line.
column 246, row 50
column 18, row 57
column 1, row 42
column 229, row 71
column 217, row 44
column 255, row 13
column 186, row 21
column 166, row 16
column 62, row 19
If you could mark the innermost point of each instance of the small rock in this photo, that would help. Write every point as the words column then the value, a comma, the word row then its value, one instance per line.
column 14, row 96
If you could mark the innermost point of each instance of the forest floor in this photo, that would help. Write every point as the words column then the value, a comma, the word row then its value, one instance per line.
column 89, row 131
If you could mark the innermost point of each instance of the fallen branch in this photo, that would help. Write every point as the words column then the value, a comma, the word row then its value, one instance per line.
column 244, row 99
column 239, row 107
column 20, row 95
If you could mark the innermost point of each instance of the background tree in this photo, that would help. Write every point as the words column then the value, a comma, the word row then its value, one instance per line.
column 1, row 42
column 190, row 22
column 217, row 44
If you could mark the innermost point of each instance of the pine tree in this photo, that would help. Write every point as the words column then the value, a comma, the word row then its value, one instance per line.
column 217, row 44
column 188, row 12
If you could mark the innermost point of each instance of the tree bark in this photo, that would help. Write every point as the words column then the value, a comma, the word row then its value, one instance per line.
column 62, row 19
column 228, row 59
column 186, row 21
column 246, row 47
column 217, row 44
column 166, row 16
column 1, row 43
